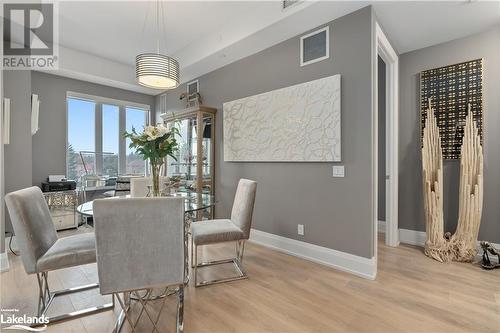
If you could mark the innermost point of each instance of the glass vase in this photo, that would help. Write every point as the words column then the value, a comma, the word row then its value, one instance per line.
column 155, row 179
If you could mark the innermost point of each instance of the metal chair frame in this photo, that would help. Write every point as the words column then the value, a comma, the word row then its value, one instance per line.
column 237, row 262
column 45, row 298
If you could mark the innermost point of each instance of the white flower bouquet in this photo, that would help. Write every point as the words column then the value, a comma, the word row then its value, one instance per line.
column 154, row 144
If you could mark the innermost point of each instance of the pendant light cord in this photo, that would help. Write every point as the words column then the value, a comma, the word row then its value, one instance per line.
column 158, row 26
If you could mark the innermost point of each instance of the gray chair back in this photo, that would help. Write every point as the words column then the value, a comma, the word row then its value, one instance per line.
column 140, row 243
column 122, row 185
column 244, row 200
column 33, row 226
column 139, row 186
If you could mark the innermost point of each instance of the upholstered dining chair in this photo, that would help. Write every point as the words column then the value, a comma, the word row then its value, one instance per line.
column 42, row 251
column 139, row 186
column 140, row 246
column 122, row 186
column 236, row 229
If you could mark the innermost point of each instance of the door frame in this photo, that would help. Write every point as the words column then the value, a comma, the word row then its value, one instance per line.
column 384, row 49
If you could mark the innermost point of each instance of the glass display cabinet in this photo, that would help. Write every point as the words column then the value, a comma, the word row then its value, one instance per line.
column 194, row 168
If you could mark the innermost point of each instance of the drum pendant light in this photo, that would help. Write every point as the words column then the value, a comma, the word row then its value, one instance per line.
column 155, row 70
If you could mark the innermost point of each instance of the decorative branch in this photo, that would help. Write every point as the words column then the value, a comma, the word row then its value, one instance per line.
column 463, row 242
column 432, row 164
column 462, row 245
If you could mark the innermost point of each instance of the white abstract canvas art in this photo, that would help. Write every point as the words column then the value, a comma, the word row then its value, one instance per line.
column 300, row 123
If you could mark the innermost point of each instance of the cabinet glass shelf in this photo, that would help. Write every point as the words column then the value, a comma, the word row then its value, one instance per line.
column 194, row 165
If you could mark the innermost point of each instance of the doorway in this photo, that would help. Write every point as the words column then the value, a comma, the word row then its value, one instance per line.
column 382, row 148
column 386, row 141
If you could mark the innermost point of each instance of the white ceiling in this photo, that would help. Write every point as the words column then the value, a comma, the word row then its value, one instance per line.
column 120, row 30
column 205, row 35
column 415, row 25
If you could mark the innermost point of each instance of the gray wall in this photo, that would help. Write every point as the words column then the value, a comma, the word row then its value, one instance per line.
column 337, row 212
column 2, row 180
column 17, row 154
column 381, row 139
column 485, row 45
column 30, row 159
column 49, row 143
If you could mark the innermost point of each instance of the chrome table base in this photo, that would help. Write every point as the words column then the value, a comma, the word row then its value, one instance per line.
column 126, row 303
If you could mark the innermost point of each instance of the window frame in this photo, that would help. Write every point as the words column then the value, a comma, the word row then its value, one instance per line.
column 122, row 120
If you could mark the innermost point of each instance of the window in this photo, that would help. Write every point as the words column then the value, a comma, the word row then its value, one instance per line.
column 110, row 140
column 95, row 127
column 81, row 137
column 135, row 164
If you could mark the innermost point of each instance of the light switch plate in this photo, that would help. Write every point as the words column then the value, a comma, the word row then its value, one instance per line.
column 300, row 229
column 338, row 171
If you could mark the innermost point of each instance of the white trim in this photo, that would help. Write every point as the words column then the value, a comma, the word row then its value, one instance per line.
column 390, row 57
column 6, row 121
column 381, row 226
column 418, row 238
column 106, row 100
column 4, row 262
column 327, row 46
column 190, row 83
column 359, row 266
column 412, row 237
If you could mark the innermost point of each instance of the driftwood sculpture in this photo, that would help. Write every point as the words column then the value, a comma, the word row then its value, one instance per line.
column 464, row 241
column 432, row 165
column 461, row 246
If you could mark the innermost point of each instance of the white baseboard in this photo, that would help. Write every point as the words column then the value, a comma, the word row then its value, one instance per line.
column 412, row 237
column 360, row 266
column 418, row 238
column 4, row 262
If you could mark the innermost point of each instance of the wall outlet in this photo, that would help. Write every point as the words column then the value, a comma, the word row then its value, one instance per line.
column 338, row 171
column 300, row 229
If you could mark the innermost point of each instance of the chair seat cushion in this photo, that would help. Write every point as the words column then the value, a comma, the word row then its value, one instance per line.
column 69, row 251
column 215, row 231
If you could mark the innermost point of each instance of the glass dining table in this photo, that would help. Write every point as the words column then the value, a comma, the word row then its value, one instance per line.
column 195, row 204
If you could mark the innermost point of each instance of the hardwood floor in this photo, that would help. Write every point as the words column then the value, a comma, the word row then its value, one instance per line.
column 412, row 293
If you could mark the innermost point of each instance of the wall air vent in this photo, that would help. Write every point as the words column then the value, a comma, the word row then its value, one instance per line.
column 315, row 46
column 289, row 3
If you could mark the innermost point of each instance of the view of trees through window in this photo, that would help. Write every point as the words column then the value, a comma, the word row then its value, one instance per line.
column 135, row 164
column 92, row 153
column 81, row 137
column 110, row 139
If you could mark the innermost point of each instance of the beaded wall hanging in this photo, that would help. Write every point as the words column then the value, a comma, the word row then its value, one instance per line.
column 451, row 89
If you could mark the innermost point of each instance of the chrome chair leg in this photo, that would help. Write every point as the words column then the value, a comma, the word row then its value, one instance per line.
column 240, row 246
column 192, row 250
column 46, row 297
column 124, row 315
column 180, row 311
column 195, row 264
